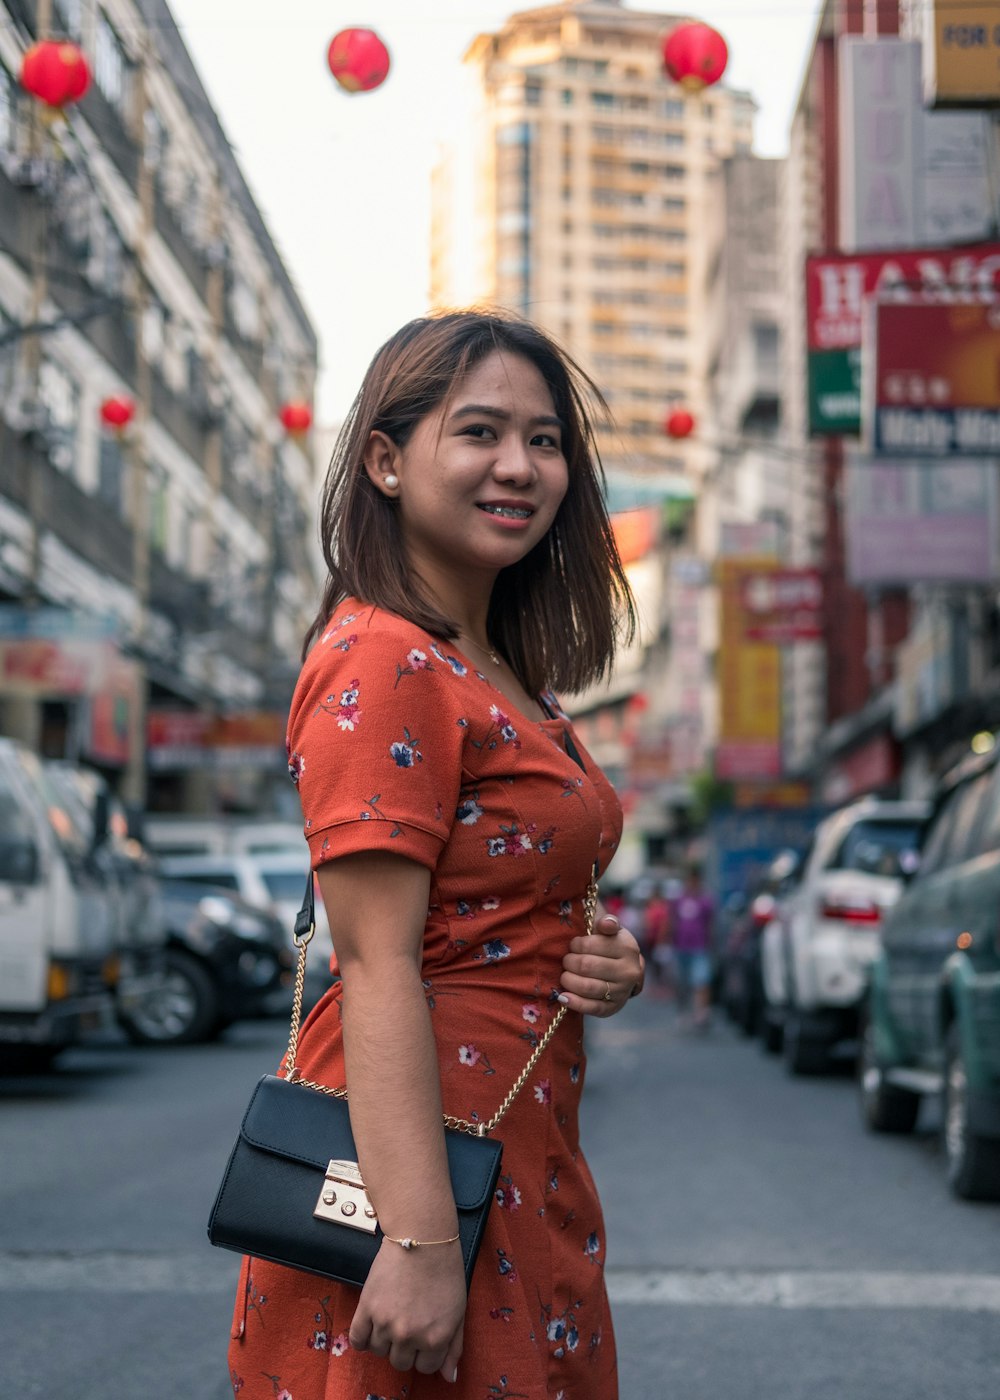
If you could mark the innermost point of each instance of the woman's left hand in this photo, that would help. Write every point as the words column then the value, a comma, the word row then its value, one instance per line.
column 603, row 970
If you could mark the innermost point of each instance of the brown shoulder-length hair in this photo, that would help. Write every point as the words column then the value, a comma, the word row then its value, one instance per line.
column 558, row 614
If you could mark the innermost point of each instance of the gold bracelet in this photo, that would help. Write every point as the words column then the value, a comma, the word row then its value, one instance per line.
column 407, row 1243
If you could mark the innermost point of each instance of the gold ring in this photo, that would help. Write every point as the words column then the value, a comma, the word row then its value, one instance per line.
column 607, row 994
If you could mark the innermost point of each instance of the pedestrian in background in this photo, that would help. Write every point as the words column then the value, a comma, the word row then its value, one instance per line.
column 456, row 821
column 658, row 944
column 693, row 916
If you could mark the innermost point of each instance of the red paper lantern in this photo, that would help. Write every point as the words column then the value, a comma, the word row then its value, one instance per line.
column 679, row 423
column 117, row 413
column 695, row 55
column 56, row 73
column 358, row 60
column 296, row 418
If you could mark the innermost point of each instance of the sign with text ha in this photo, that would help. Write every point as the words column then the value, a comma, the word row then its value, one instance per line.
column 838, row 286
column 932, row 380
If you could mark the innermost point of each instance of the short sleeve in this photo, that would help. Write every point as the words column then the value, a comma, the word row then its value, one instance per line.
column 376, row 739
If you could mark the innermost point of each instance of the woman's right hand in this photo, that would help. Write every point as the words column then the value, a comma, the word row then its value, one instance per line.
column 412, row 1309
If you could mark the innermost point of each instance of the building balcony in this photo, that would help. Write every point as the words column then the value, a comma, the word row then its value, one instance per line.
column 83, row 522
column 184, row 601
column 168, row 227
column 111, row 131
column 187, row 427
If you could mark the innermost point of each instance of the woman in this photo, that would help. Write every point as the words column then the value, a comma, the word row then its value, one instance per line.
column 455, row 823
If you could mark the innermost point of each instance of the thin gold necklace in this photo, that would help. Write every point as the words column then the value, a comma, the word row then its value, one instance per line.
column 486, row 651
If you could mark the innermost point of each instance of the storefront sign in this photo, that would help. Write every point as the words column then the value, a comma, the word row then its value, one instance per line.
column 782, row 606
column 872, row 765
column 961, row 53
column 909, row 522
column 185, row 739
column 837, row 286
column 749, row 682
column 907, row 176
column 932, row 386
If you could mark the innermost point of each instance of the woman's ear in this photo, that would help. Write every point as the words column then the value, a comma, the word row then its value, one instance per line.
column 381, row 459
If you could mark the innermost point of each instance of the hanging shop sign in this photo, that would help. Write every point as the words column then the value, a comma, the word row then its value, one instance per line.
column 961, row 53
column 911, row 521
column 931, row 384
column 749, row 744
column 783, row 606
column 907, row 176
column 837, row 286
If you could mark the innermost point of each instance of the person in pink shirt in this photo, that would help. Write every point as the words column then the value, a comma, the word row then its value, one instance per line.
column 693, row 915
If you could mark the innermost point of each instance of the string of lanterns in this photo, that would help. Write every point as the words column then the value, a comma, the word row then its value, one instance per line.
column 57, row 73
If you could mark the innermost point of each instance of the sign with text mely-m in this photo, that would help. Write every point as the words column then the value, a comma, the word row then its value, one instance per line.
column 932, row 383
column 837, row 287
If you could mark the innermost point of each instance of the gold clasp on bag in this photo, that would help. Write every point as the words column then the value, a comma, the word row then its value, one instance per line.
column 344, row 1200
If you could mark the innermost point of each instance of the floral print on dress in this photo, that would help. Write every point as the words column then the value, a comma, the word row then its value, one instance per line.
column 386, row 726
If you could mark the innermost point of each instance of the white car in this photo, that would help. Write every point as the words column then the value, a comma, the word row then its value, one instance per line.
column 271, row 879
column 817, row 951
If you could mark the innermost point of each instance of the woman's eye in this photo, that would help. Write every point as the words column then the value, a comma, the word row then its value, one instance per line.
column 545, row 440
column 478, row 430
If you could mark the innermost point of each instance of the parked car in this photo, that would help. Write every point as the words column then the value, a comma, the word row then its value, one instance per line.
column 932, row 1017
column 741, row 976
column 129, row 871
column 818, row 949
column 274, row 882
column 60, row 955
column 225, row 960
column 181, row 835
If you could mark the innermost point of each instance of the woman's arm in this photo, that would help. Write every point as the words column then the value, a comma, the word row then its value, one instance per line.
column 412, row 1306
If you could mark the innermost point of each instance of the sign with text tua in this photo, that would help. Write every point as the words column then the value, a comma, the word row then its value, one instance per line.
column 837, row 288
column 961, row 42
column 932, row 377
column 907, row 176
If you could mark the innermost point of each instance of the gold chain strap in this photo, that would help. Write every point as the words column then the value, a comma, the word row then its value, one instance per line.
column 462, row 1125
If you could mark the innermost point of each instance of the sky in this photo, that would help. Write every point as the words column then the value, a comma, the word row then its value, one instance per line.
column 343, row 181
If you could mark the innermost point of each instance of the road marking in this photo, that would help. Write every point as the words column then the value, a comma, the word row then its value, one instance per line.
column 213, row 1272
column 805, row 1289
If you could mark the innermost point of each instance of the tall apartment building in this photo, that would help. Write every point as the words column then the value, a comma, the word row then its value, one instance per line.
column 172, row 563
column 576, row 192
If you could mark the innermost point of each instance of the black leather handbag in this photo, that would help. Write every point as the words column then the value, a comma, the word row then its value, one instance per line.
column 292, row 1191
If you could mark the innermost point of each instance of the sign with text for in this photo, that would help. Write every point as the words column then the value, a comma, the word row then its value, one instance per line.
column 837, row 287
column 961, row 53
column 932, row 378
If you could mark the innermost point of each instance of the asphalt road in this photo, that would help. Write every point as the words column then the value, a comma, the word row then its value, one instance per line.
column 760, row 1244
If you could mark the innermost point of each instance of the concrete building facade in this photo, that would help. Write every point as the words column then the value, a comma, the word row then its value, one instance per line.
column 576, row 193
column 135, row 263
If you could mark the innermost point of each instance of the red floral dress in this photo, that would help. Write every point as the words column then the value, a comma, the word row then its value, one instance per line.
column 397, row 742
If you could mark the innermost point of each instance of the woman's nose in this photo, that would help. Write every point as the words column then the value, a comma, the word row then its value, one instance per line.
column 515, row 463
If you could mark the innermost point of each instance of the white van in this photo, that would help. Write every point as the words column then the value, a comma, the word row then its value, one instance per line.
column 59, row 919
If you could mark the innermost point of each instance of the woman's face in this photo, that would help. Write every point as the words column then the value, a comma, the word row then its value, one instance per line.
column 482, row 476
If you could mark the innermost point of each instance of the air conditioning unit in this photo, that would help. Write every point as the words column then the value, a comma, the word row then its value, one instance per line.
column 26, row 416
column 27, row 172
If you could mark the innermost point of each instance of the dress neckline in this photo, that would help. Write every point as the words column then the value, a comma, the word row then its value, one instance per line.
column 527, row 719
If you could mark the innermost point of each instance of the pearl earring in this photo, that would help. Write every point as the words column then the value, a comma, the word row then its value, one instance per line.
column 391, row 481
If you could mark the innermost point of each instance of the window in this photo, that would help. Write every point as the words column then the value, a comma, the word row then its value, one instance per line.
column 673, row 138
column 7, row 109
column 603, row 99
column 988, row 834
column 603, row 135
column 532, row 94
column 111, row 68
column 70, row 11
column 673, row 110
column 60, row 399
column 159, row 484
column 875, row 847
column 514, row 134
column 111, row 472
column 673, row 205
column 567, row 97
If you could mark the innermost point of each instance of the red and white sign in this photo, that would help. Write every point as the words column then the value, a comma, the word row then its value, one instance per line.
column 783, row 605
column 837, row 285
column 739, row 760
